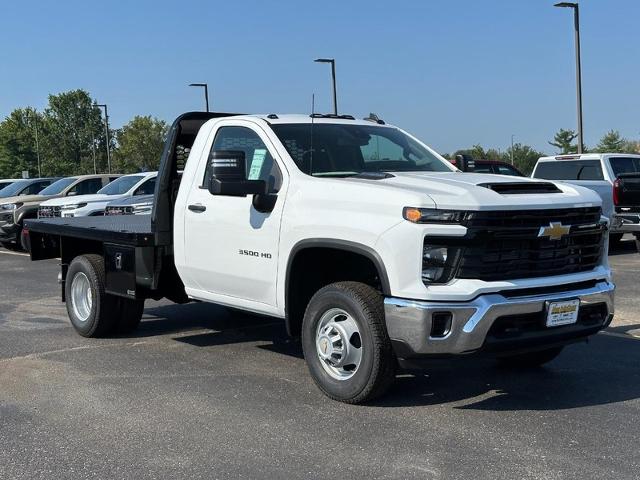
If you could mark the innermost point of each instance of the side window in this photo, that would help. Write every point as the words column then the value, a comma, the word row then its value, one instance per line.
column 483, row 168
column 35, row 188
column 86, row 187
column 146, row 188
column 381, row 149
column 260, row 164
column 507, row 170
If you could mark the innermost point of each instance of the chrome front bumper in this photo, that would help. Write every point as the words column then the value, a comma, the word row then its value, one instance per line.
column 409, row 322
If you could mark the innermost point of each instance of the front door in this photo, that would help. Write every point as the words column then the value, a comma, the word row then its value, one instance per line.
column 230, row 247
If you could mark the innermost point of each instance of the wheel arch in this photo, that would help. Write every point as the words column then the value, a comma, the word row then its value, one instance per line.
column 294, row 307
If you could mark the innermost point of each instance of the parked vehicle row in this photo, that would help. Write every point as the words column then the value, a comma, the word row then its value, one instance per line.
column 369, row 245
column 63, row 197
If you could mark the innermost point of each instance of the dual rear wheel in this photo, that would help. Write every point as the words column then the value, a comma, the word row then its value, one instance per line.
column 93, row 312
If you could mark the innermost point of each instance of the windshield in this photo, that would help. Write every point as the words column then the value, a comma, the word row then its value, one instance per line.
column 15, row 188
column 56, row 188
column 121, row 185
column 625, row 165
column 344, row 150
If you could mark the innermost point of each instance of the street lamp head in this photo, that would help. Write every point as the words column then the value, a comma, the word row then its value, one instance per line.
column 324, row 60
column 566, row 5
column 197, row 84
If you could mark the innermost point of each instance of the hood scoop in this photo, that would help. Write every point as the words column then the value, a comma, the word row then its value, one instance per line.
column 373, row 175
column 515, row 188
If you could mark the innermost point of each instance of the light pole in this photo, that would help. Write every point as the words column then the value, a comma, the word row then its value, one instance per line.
column 333, row 77
column 206, row 92
column 106, row 132
column 576, row 23
column 512, row 135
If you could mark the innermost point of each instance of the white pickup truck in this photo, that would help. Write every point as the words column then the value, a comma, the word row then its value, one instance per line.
column 370, row 246
column 613, row 176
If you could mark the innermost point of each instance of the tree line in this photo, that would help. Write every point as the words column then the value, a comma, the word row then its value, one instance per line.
column 525, row 157
column 69, row 138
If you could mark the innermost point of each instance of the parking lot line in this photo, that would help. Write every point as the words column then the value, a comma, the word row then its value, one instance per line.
column 17, row 254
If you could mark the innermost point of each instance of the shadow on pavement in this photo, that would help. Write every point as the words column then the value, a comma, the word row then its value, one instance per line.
column 604, row 371
column 227, row 327
column 625, row 247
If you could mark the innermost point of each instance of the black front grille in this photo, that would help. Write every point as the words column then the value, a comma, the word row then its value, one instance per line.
column 506, row 245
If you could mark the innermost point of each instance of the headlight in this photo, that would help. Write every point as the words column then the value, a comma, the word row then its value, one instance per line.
column 10, row 206
column 438, row 263
column 73, row 206
column 431, row 215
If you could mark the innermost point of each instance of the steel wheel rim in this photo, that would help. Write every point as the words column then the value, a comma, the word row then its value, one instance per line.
column 81, row 297
column 339, row 344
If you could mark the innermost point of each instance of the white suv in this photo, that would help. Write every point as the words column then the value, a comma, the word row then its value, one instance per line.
column 89, row 205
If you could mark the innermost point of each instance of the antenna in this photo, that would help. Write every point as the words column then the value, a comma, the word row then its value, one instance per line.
column 313, row 114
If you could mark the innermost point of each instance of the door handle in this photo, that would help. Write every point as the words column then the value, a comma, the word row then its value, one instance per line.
column 197, row 208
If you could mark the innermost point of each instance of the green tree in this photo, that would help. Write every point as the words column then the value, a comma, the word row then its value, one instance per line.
column 524, row 157
column 612, row 142
column 73, row 127
column 140, row 144
column 18, row 143
column 562, row 141
column 479, row 153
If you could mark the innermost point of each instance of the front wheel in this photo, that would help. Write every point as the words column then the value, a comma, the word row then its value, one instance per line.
column 530, row 359
column 345, row 342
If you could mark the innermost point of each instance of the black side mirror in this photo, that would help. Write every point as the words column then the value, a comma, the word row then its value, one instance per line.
column 465, row 162
column 229, row 175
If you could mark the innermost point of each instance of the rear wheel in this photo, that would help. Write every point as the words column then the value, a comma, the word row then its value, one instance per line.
column 530, row 359
column 92, row 312
column 345, row 343
column 24, row 243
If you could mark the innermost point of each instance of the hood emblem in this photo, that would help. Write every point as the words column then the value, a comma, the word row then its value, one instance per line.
column 555, row 231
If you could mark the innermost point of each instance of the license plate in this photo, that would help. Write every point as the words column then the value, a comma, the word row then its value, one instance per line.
column 562, row 313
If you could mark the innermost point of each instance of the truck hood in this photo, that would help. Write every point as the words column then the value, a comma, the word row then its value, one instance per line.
column 457, row 190
column 94, row 198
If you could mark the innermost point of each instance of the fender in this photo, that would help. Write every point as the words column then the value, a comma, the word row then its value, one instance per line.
column 336, row 244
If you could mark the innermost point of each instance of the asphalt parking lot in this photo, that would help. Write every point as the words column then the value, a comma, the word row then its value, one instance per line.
column 202, row 392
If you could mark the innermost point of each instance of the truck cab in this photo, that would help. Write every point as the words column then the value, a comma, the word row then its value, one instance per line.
column 371, row 247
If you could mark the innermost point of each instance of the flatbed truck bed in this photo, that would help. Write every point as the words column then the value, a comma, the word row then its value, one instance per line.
column 131, row 230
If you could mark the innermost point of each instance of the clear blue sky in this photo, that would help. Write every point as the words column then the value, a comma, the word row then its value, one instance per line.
column 454, row 73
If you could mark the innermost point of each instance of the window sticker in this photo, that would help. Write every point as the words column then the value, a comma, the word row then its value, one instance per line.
column 256, row 163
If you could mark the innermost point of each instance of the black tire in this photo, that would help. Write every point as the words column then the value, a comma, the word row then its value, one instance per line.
column 129, row 315
column 23, row 241
column 530, row 359
column 376, row 371
column 104, row 308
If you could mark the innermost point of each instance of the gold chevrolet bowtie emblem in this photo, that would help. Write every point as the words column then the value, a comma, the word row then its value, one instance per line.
column 555, row 231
